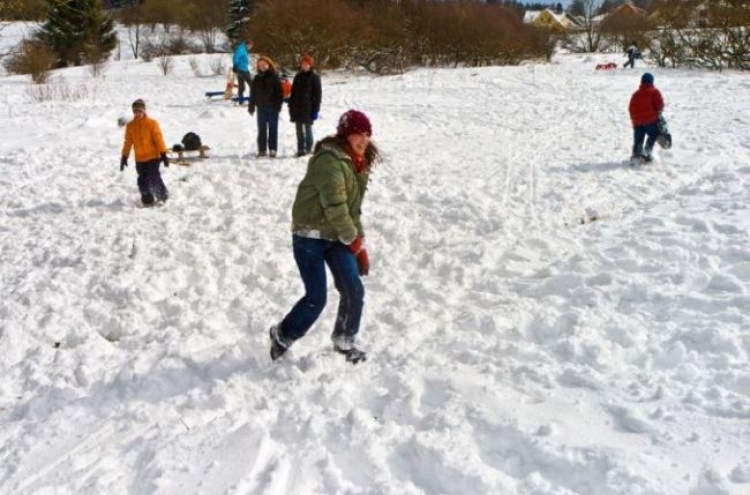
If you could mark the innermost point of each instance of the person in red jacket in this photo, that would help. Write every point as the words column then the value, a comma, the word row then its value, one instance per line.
column 144, row 134
column 645, row 107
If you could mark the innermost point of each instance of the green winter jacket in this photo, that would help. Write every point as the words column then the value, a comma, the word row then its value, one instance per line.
column 328, row 204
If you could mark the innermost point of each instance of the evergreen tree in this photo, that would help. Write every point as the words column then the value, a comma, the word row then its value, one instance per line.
column 78, row 31
column 239, row 14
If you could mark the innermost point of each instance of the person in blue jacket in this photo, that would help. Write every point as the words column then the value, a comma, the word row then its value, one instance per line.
column 241, row 66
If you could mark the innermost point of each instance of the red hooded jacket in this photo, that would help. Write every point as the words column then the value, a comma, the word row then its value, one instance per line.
column 645, row 105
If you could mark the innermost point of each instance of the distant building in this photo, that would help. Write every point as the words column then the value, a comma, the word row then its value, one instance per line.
column 548, row 19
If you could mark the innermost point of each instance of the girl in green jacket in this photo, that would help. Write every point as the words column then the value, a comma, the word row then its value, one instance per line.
column 326, row 230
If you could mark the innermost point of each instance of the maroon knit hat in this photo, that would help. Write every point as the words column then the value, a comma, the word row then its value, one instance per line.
column 353, row 122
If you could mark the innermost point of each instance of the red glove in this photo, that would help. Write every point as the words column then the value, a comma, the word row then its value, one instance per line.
column 363, row 262
column 360, row 252
column 357, row 245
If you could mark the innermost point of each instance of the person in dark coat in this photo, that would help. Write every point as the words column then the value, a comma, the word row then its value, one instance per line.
column 632, row 53
column 645, row 107
column 266, row 98
column 304, row 104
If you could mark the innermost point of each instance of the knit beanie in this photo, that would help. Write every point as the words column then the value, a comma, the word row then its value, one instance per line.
column 139, row 104
column 353, row 122
column 647, row 78
column 307, row 59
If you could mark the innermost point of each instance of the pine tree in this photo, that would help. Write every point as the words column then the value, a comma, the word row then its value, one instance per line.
column 78, row 31
column 239, row 13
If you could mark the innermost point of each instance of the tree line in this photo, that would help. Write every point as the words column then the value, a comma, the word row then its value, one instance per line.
column 382, row 36
column 676, row 33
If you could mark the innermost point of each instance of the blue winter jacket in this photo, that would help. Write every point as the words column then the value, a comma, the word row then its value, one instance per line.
column 241, row 58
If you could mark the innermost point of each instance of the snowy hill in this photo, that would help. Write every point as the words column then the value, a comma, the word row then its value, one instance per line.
column 541, row 318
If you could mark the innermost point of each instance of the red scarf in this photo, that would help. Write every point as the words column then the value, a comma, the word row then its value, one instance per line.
column 359, row 161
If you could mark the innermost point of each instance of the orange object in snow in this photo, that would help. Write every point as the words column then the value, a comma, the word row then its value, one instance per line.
column 286, row 88
column 229, row 89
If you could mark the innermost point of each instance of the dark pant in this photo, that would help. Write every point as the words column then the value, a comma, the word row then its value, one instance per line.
column 639, row 133
column 242, row 78
column 630, row 62
column 149, row 182
column 268, row 128
column 312, row 256
column 304, row 137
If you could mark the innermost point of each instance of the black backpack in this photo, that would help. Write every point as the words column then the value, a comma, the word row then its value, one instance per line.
column 191, row 141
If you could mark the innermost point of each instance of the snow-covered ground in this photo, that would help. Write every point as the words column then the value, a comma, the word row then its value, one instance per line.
column 541, row 318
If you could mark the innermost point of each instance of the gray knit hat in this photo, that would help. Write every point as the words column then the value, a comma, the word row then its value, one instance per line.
column 139, row 103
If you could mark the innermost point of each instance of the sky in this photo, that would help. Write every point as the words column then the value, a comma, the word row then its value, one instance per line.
column 540, row 317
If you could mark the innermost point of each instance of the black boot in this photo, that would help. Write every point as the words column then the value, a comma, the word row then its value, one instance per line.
column 346, row 346
column 277, row 349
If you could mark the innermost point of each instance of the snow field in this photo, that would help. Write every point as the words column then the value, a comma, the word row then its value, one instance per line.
column 540, row 318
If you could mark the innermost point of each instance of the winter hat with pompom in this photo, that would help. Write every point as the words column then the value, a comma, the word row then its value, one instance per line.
column 353, row 122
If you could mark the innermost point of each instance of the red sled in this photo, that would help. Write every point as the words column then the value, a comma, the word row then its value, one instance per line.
column 608, row 66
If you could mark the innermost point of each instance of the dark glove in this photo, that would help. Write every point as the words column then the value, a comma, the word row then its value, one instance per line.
column 165, row 159
column 314, row 116
column 123, row 163
column 234, row 68
column 251, row 109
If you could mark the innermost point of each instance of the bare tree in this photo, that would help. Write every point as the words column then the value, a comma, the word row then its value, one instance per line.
column 132, row 16
column 625, row 26
column 590, row 37
column 713, row 36
column 207, row 19
column 164, row 12
column 288, row 29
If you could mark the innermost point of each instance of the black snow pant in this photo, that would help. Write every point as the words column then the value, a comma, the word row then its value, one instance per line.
column 150, row 185
column 243, row 78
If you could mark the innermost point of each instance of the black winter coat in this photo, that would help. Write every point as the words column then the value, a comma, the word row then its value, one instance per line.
column 305, row 97
column 265, row 90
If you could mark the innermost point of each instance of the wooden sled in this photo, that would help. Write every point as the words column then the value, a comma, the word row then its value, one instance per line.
column 183, row 155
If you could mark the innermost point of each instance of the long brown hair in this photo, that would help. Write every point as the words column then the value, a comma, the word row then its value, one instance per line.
column 372, row 153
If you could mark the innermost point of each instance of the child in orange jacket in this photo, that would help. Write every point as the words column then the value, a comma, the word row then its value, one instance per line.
column 144, row 134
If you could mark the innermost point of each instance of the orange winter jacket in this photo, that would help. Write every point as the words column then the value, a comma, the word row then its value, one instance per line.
column 145, row 135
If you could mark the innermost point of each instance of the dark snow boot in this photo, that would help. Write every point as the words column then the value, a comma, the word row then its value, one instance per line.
column 352, row 355
column 277, row 348
column 345, row 345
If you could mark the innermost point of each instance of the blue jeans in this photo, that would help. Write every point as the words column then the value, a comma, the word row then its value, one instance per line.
column 304, row 137
column 312, row 256
column 268, row 128
column 639, row 133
